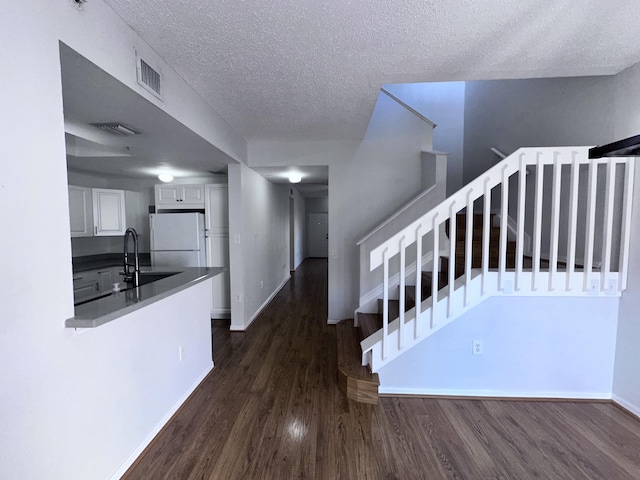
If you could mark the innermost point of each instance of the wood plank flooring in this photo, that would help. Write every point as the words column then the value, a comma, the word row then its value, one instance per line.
column 271, row 409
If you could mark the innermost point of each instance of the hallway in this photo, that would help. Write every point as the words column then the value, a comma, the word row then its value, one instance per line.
column 271, row 409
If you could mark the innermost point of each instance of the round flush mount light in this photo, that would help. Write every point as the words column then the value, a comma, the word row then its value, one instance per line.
column 165, row 177
column 295, row 177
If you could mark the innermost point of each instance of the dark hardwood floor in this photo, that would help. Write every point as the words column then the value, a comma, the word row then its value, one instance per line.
column 271, row 409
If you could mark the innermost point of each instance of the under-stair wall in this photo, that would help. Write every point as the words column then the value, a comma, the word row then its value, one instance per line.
column 474, row 276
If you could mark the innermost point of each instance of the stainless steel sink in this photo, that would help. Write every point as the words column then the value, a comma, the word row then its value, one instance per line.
column 145, row 278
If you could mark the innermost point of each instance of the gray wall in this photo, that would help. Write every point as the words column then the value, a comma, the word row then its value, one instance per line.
column 443, row 104
column 509, row 114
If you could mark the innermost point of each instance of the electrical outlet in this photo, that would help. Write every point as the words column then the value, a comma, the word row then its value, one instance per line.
column 477, row 347
column 237, row 298
column 261, row 283
column 236, row 239
column 594, row 287
column 181, row 352
column 612, row 286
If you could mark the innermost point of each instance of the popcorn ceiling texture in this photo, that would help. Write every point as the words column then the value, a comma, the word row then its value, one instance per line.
column 311, row 69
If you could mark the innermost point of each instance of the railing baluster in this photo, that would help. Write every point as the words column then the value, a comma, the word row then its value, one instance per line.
column 418, row 295
column 522, row 191
column 402, row 292
column 486, row 232
column 435, row 273
column 573, row 219
column 452, row 255
column 468, row 247
column 625, row 235
column 555, row 219
column 537, row 222
column 590, row 226
column 608, row 223
column 504, row 217
column 385, row 302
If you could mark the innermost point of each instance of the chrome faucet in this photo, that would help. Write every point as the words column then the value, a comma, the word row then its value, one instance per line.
column 128, row 276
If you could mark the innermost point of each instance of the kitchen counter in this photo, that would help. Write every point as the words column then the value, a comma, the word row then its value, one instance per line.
column 115, row 305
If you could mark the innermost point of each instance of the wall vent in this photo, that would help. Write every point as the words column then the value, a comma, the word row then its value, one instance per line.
column 148, row 77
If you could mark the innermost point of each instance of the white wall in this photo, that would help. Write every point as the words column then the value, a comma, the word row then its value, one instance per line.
column 258, row 242
column 443, row 104
column 626, row 384
column 545, row 346
column 77, row 406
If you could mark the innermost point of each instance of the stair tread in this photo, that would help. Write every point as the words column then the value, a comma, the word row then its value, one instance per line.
column 354, row 379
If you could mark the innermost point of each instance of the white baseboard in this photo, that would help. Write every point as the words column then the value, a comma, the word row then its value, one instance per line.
column 145, row 443
column 220, row 313
column 332, row 321
column 494, row 393
column 626, row 405
column 264, row 304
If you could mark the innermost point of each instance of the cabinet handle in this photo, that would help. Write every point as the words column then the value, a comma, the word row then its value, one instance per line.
column 95, row 230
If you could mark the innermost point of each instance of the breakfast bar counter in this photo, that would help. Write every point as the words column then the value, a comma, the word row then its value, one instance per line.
column 163, row 283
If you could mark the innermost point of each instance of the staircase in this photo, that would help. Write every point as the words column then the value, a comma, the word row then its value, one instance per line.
column 543, row 221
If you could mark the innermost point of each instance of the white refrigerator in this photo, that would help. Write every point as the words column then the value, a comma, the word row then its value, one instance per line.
column 177, row 240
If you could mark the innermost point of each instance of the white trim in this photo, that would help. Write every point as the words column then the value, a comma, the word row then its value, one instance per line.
column 626, row 405
column 148, row 439
column 259, row 311
column 220, row 313
column 331, row 321
column 411, row 109
column 494, row 393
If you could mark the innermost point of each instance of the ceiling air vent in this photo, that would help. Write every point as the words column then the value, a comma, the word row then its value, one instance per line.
column 116, row 129
column 148, row 77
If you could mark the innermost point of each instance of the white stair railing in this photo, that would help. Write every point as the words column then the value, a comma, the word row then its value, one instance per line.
column 577, row 210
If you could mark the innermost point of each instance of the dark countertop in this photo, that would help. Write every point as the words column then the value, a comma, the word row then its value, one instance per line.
column 115, row 305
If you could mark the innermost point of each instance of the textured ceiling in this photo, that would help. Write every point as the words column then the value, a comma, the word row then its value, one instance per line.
column 310, row 69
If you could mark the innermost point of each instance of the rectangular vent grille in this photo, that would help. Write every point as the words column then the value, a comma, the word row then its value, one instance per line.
column 149, row 78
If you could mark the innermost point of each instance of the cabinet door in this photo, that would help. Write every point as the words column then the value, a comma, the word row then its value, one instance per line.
column 218, row 256
column 193, row 194
column 217, row 208
column 80, row 211
column 109, row 215
column 167, row 195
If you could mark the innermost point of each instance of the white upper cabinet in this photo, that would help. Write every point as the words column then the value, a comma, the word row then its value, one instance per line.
column 109, row 214
column 179, row 196
column 80, row 211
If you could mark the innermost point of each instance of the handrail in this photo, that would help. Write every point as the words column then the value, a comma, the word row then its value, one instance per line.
column 408, row 107
column 399, row 212
column 558, row 170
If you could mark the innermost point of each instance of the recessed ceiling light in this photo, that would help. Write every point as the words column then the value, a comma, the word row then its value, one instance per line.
column 165, row 177
column 295, row 177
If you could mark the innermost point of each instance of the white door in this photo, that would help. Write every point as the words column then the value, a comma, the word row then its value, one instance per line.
column 318, row 234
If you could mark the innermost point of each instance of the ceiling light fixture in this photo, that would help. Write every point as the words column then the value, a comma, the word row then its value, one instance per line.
column 165, row 177
column 295, row 177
